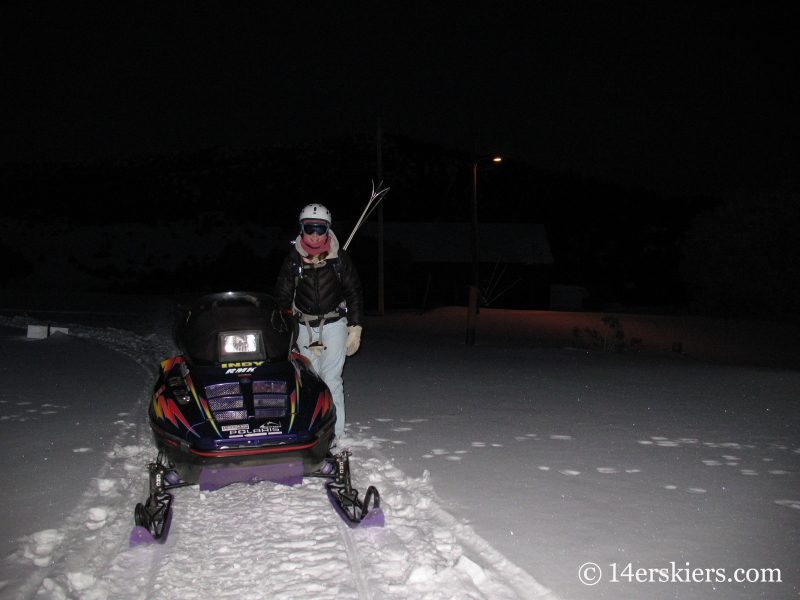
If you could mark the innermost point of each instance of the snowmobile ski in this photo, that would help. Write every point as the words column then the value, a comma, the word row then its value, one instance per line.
column 153, row 518
column 345, row 500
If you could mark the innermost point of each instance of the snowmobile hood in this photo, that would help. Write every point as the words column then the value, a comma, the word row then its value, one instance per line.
column 235, row 326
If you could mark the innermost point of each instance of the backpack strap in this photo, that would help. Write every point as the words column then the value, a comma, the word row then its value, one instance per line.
column 297, row 266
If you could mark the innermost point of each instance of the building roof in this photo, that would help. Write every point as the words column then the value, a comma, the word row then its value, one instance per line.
column 520, row 243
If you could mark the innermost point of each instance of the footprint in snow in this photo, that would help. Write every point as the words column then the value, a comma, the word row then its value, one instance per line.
column 97, row 518
column 43, row 544
column 795, row 504
column 560, row 437
column 569, row 472
column 104, row 486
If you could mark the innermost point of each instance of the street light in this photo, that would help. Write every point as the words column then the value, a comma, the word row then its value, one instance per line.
column 474, row 288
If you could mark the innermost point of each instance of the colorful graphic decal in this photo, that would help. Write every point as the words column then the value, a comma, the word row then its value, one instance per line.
column 323, row 406
column 293, row 400
column 201, row 403
column 165, row 409
column 300, row 357
column 166, row 366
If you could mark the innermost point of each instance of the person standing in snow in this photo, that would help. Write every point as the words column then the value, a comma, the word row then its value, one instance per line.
column 319, row 284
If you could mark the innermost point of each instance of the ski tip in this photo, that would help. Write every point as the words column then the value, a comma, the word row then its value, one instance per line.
column 373, row 518
column 141, row 537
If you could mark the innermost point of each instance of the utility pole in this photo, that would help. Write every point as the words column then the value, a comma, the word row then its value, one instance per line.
column 474, row 286
column 381, row 288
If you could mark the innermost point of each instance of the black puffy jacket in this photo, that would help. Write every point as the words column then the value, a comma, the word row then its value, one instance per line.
column 319, row 290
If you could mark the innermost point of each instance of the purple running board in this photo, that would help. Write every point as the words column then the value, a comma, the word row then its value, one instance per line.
column 284, row 473
column 140, row 536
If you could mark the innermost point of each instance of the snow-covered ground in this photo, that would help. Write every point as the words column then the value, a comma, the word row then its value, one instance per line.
column 503, row 469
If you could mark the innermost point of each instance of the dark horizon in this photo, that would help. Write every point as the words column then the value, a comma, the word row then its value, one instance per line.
column 689, row 100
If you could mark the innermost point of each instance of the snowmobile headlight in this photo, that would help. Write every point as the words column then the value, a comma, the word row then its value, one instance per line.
column 241, row 346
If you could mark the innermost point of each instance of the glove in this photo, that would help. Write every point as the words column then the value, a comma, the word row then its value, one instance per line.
column 353, row 339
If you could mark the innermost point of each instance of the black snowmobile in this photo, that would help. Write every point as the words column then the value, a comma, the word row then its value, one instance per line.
column 241, row 404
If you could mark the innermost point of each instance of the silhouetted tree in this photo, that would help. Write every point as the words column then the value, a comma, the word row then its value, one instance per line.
column 743, row 257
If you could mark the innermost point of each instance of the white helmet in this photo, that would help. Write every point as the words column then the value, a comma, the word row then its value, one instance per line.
column 317, row 212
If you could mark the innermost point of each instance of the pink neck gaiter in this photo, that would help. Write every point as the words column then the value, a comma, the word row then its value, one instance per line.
column 321, row 246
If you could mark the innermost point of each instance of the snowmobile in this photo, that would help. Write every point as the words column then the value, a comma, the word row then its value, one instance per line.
column 241, row 404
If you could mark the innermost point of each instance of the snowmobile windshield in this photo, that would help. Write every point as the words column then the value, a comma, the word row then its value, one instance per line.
column 234, row 327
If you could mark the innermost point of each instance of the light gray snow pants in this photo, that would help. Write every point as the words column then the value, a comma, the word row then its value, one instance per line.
column 329, row 366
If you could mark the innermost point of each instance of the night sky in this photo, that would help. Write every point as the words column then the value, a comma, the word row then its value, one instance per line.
column 682, row 98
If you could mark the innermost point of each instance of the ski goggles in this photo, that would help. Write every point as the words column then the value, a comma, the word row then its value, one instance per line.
column 318, row 228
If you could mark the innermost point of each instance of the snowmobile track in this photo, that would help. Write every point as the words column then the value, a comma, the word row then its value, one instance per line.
column 355, row 565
